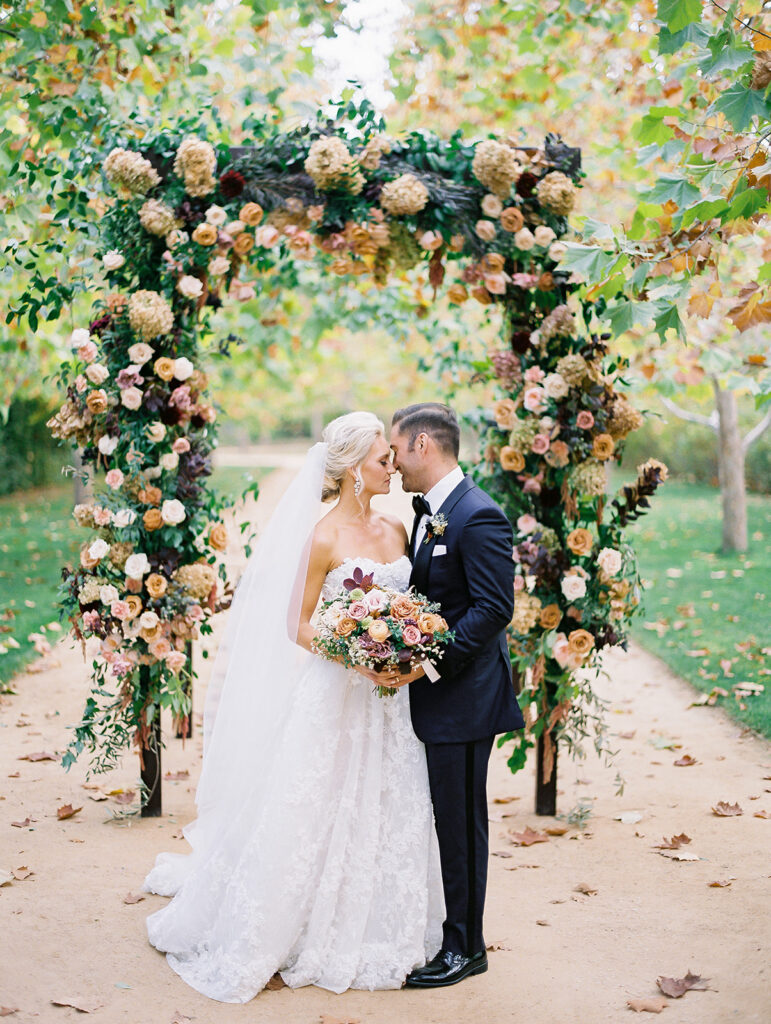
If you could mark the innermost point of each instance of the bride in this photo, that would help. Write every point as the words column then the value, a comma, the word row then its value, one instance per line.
column 314, row 852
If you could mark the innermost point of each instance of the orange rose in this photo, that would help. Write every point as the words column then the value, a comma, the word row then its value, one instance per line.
column 457, row 293
column 379, row 630
column 545, row 281
column 345, row 626
column 218, row 537
column 482, row 295
column 558, row 455
column 156, row 584
column 116, row 302
column 492, row 263
column 580, row 642
column 511, row 219
column 150, row 495
column 151, row 635
column 402, row 607
column 164, row 368
column 580, row 541
column 205, row 234
column 135, row 605
column 133, row 586
column 243, row 244
column 86, row 560
column 430, row 623
column 251, row 214
column 505, row 413
column 550, row 616
column 97, row 401
column 152, row 519
column 603, row 446
column 511, row 459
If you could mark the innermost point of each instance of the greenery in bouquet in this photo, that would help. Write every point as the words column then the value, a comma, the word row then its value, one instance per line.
column 379, row 627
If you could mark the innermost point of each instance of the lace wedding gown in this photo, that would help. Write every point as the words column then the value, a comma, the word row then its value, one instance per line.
column 333, row 879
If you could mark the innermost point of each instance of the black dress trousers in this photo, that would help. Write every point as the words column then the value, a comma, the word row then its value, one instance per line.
column 457, row 775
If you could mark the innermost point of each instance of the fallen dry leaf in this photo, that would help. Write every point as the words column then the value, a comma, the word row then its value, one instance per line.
column 762, row 814
column 13, row 775
column 275, row 983
column 5, row 877
column 685, row 761
column 543, row 924
column 719, row 885
column 627, row 735
column 82, row 1005
column 21, row 872
column 22, row 824
column 586, row 889
column 177, row 776
column 502, row 853
column 131, row 898
column 494, row 947
column 43, row 755
column 6, row 1011
column 180, row 1018
column 628, row 817
column 647, row 1005
column 124, row 797
column 528, row 837
column 505, row 799
column 67, row 811
column 556, row 830
column 98, row 795
column 679, row 855
column 725, row 810
column 673, row 843
column 677, row 987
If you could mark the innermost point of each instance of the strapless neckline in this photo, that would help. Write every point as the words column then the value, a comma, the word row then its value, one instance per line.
column 369, row 561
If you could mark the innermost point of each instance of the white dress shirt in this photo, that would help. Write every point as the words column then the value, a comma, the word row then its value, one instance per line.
column 436, row 497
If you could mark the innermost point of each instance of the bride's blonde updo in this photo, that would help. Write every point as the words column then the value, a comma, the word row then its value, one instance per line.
column 349, row 437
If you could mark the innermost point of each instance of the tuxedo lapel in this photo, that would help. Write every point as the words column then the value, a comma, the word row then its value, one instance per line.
column 455, row 495
column 422, row 561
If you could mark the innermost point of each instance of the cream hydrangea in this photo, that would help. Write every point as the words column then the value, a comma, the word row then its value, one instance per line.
column 157, row 218
column 523, row 433
column 559, row 323
column 496, row 166
column 197, row 579
column 331, row 165
column 557, row 193
column 150, row 314
column 526, row 610
column 590, row 478
column 196, row 163
column 130, row 173
column 404, row 195
column 572, row 368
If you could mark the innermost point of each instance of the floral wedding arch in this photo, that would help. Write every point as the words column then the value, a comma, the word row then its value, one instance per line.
column 188, row 223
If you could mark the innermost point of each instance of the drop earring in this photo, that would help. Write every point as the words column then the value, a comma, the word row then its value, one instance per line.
column 357, row 486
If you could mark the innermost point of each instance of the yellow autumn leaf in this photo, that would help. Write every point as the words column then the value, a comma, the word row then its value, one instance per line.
column 761, row 41
column 700, row 304
column 39, row 19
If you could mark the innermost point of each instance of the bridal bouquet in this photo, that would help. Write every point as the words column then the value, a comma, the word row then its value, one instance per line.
column 379, row 627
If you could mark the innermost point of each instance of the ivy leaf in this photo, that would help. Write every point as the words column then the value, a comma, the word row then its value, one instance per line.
column 677, row 14
column 740, row 105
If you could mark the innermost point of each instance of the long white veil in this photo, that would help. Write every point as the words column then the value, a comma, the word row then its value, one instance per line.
column 255, row 669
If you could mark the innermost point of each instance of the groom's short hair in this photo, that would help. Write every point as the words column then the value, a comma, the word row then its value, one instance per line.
column 432, row 418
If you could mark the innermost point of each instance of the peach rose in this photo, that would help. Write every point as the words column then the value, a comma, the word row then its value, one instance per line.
column 493, row 263
column 218, row 537
column 584, row 420
column 492, row 206
column 176, row 661
column 457, row 293
column 266, row 236
column 152, row 519
column 243, row 244
column 403, row 607
column 205, row 234
column 428, row 622
column 550, row 616
column 511, row 219
column 156, row 584
column 150, row 635
column 379, row 630
column 559, row 455
column 113, row 478
column 134, row 605
column 97, row 401
column 482, row 295
column 496, row 283
column 251, row 214
column 511, row 459
column 160, row 648
column 150, row 495
column 580, row 541
column 603, row 446
column 164, row 368
column 345, row 626
column 505, row 413
column 580, row 642
column 485, row 229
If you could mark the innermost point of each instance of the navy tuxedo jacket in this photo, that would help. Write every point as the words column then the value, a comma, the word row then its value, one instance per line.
column 470, row 571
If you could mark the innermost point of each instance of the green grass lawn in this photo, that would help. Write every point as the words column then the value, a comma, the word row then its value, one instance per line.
column 37, row 537
column 704, row 613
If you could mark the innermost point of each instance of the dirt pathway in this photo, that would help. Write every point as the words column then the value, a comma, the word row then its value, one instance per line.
column 567, row 956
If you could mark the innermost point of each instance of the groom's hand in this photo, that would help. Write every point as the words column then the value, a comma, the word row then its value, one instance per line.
column 395, row 679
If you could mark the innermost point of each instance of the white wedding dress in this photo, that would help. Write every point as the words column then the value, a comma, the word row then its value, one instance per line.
column 330, row 875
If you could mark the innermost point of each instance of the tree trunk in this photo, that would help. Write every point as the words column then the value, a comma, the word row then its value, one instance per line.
column 731, row 471
column 546, row 777
column 151, row 760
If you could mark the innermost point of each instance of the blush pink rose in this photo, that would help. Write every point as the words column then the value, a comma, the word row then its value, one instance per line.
column 519, row 583
column 540, row 444
column 534, row 398
column 585, row 420
column 534, row 375
column 411, row 635
column 88, row 352
column 120, row 610
column 358, row 610
column 181, row 445
column 526, row 523
column 90, row 619
column 175, row 661
column 114, row 478
column 102, row 516
column 195, row 612
column 376, row 600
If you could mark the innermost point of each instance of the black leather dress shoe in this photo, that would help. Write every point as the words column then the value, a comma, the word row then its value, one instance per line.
column 447, row 969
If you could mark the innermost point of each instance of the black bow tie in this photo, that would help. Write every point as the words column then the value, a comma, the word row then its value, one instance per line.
column 420, row 506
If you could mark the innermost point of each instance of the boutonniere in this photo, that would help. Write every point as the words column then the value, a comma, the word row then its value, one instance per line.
column 435, row 527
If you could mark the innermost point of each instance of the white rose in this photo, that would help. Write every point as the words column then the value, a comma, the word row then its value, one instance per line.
column 177, row 237
column 136, row 566
column 169, row 461
column 610, row 561
column 108, row 593
column 183, row 368
column 533, row 398
column 524, row 239
column 113, row 260
column 124, row 517
column 543, row 235
column 156, row 431
column 79, row 337
column 234, row 227
column 189, row 286
column 216, row 215
column 492, row 206
column 219, row 265
column 140, row 353
column 573, row 587
column 266, row 235
column 131, row 398
column 97, row 373
column 148, row 620
column 99, row 548
column 555, row 386
column 107, row 444
column 557, row 250
column 153, row 472
column 172, row 512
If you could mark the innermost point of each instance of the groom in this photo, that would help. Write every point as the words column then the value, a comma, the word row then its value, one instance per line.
column 461, row 550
